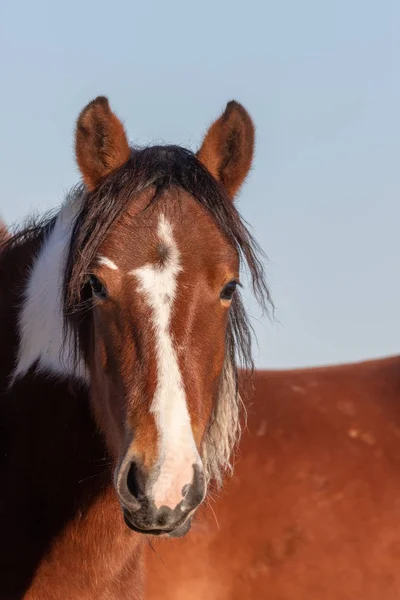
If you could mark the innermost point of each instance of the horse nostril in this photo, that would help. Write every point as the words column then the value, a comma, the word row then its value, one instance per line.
column 193, row 493
column 133, row 481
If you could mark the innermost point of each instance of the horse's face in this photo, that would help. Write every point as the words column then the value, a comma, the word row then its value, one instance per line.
column 162, row 283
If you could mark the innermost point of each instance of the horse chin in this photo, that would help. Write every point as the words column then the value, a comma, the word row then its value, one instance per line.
column 178, row 532
column 182, row 530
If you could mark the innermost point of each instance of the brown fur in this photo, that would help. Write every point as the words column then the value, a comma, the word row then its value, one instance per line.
column 101, row 145
column 227, row 150
column 98, row 549
column 313, row 510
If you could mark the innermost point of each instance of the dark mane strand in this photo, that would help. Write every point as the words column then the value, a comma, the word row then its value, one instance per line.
column 32, row 229
column 32, row 233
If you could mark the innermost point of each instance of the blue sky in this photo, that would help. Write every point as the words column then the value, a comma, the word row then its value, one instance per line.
column 321, row 81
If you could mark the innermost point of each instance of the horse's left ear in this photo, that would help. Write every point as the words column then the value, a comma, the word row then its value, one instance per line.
column 227, row 149
column 101, row 145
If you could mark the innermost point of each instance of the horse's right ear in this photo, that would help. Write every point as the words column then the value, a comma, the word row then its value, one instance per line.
column 101, row 145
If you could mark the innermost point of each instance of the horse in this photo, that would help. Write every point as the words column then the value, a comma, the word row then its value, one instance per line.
column 121, row 331
column 3, row 232
column 313, row 509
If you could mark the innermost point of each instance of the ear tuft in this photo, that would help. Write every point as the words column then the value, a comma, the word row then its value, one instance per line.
column 101, row 145
column 228, row 147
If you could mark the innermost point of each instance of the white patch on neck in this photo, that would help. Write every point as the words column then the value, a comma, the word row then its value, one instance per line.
column 177, row 448
column 41, row 323
column 103, row 260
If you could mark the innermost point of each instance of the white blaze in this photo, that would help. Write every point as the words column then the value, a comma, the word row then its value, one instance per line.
column 177, row 448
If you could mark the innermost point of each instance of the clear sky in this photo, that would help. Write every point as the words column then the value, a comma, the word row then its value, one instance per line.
column 322, row 83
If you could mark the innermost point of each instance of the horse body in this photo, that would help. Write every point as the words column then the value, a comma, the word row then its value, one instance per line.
column 120, row 325
column 313, row 509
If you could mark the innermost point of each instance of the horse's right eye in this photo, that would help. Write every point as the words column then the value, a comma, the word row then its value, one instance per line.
column 98, row 289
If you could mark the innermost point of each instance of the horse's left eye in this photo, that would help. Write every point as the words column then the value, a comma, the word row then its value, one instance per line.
column 98, row 288
column 229, row 290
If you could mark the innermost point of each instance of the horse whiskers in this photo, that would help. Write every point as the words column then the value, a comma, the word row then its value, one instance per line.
column 104, row 462
column 154, row 550
column 213, row 496
column 84, row 307
column 102, row 474
column 215, row 516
